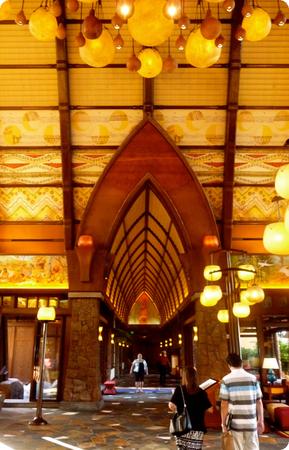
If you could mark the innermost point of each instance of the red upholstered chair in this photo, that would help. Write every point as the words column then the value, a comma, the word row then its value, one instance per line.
column 281, row 414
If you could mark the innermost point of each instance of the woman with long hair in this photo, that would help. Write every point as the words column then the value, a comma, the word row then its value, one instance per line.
column 197, row 402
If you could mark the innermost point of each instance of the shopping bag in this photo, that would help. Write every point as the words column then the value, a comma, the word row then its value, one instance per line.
column 227, row 441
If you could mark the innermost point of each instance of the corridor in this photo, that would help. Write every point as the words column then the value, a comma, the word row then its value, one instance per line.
column 127, row 421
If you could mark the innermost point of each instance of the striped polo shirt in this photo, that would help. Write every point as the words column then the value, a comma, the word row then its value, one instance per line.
column 241, row 390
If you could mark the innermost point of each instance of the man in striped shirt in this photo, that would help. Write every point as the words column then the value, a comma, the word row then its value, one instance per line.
column 241, row 396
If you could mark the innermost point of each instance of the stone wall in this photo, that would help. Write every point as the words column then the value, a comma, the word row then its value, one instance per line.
column 82, row 377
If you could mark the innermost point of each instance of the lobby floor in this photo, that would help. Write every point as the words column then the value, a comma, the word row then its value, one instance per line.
column 128, row 420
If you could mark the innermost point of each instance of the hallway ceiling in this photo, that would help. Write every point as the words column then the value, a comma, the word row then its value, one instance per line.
column 62, row 121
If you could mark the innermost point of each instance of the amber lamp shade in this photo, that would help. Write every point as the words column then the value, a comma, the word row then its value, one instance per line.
column 246, row 272
column 212, row 292
column 255, row 294
column 258, row 25
column 151, row 63
column 207, row 301
column 212, row 272
column 223, row 316
column 282, row 181
column 276, row 238
column 43, row 24
column 98, row 52
column 46, row 314
column 241, row 310
column 210, row 241
column 201, row 52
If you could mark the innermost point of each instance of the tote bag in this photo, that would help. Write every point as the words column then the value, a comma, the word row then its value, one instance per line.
column 227, row 441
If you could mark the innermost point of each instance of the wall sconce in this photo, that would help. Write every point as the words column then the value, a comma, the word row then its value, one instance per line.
column 45, row 314
column 166, row 343
column 100, row 329
column 161, row 345
column 196, row 336
column 112, row 338
column 180, row 337
column 85, row 250
column 170, row 342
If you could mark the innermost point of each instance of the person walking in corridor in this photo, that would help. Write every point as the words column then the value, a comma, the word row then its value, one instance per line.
column 139, row 368
column 197, row 402
column 241, row 397
column 164, row 367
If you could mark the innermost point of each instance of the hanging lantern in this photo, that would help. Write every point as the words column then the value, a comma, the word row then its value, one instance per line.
column 244, row 275
column 184, row 22
column 244, row 298
column 207, row 301
column 180, row 42
column 148, row 25
column 91, row 26
column 172, row 9
column 201, row 52
column 210, row 27
column 280, row 19
column 241, row 310
column 43, row 24
column 169, row 64
column 151, row 63
column 125, row 8
column 229, row 5
column 133, row 63
column 223, row 315
column 255, row 294
column 258, row 25
column 276, row 238
column 211, row 274
column 213, row 292
column 98, row 52
column 282, row 181
column 209, row 240
column 116, row 22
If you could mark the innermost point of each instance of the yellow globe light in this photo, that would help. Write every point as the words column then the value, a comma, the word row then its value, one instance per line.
column 255, row 294
column 282, row 181
column 201, row 52
column 223, row 315
column 210, row 273
column 276, row 238
column 46, row 313
column 43, row 24
column 241, row 310
column 244, row 298
column 151, row 63
column 98, row 52
column 258, row 25
column 243, row 273
column 206, row 301
column 213, row 292
column 148, row 25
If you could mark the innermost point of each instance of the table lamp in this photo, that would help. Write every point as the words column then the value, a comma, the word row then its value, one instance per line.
column 270, row 364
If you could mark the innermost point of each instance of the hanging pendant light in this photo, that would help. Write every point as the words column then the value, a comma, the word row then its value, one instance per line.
column 207, row 301
column 223, row 316
column 213, row 292
column 172, row 9
column 212, row 272
column 244, row 298
column 282, row 181
column 151, row 63
column 276, row 238
column 125, row 8
column 201, row 52
column 98, row 52
column 243, row 273
column 43, row 24
column 241, row 310
column 255, row 294
column 258, row 25
column 210, row 27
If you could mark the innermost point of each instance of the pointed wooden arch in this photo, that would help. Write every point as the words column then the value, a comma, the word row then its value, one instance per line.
column 148, row 152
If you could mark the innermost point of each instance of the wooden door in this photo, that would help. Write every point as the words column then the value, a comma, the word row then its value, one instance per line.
column 20, row 349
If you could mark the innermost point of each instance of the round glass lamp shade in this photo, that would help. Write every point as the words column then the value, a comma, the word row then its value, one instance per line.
column 282, row 181
column 258, row 25
column 244, row 298
column 98, row 52
column 43, row 24
column 213, row 292
column 276, row 238
column 210, row 273
column 151, row 63
column 255, row 294
column 201, row 52
column 148, row 25
column 207, row 301
column 243, row 273
column 46, row 313
column 223, row 316
column 241, row 310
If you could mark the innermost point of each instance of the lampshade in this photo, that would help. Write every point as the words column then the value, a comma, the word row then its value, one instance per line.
column 213, row 292
column 270, row 363
column 282, row 181
column 244, row 275
column 223, row 315
column 258, row 25
column 207, row 301
column 98, row 52
column 148, row 25
column 43, row 24
column 255, row 294
column 244, row 298
column 201, row 52
column 241, row 310
column 211, row 274
column 276, row 238
column 46, row 314
column 151, row 63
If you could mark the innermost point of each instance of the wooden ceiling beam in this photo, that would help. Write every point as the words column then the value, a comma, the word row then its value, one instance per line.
column 231, row 125
column 65, row 136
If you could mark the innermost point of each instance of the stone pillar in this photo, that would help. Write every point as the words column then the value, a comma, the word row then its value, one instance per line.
column 82, row 377
column 211, row 348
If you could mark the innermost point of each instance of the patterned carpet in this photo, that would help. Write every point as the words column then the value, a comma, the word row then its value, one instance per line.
column 132, row 421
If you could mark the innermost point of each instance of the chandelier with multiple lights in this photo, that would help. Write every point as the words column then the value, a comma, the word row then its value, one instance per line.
column 150, row 23
column 241, row 290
